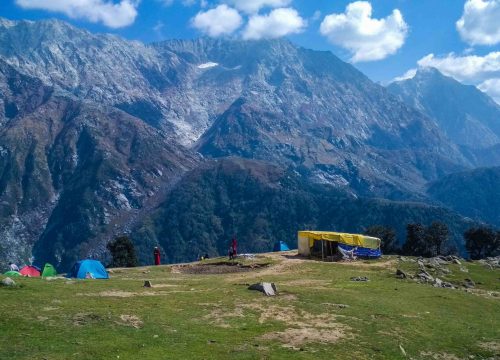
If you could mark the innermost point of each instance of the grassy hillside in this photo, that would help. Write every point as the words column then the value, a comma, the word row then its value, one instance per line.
column 204, row 311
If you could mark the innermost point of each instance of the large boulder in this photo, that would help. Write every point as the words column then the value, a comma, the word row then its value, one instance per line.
column 269, row 289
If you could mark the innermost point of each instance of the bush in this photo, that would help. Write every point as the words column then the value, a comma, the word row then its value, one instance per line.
column 123, row 252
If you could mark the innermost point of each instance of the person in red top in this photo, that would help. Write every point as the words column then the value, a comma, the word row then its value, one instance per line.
column 156, row 254
column 234, row 245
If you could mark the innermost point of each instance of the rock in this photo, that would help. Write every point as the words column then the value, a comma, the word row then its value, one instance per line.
column 464, row 269
column 8, row 282
column 447, row 285
column 456, row 261
column 443, row 284
column 469, row 284
column 425, row 276
column 445, row 270
column 147, row 284
column 360, row 278
column 400, row 274
column 420, row 263
column 269, row 289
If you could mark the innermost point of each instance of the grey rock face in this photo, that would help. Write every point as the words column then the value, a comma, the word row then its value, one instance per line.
column 268, row 100
column 467, row 116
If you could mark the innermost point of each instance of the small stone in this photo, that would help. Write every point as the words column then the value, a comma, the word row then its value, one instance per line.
column 445, row 270
column 425, row 276
column 147, row 284
column 8, row 282
column 469, row 284
column 360, row 278
column 456, row 261
column 400, row 274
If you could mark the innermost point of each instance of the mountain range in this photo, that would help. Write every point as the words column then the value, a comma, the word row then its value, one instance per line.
column 101, row 136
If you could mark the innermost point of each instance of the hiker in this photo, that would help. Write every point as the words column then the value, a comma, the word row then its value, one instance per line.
column 234, row 245
column 13, row 267
column 206, row 256
column 230, row 253
column 156, row 254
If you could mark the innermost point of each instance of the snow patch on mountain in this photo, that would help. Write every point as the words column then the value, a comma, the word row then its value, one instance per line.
column 208, row 65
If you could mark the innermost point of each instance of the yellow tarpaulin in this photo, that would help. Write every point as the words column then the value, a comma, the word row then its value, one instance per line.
column 342, row 238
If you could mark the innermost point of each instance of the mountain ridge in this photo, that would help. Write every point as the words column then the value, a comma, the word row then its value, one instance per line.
column 106, row 131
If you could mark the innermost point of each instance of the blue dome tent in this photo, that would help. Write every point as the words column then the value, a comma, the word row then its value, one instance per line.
column 281, row 246
column 88, row 269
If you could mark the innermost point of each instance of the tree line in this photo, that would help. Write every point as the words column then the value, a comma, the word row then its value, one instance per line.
column 426, row 241
column 434, row 240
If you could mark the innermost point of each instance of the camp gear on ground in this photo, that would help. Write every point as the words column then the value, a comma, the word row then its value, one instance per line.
column 12, row 273
column 13, row 267
column 30, row 271
column 49, row 270
column 361, row 251
column 325, row 244
column 281, row 246
column 92, row 268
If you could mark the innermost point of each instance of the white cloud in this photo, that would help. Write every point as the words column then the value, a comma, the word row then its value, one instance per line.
column 481, row 71
column 366, row 38
column 479, row 24
column 277, row 23
column 410, row 74
column 111, row 14
column 470, row 68
column 492, row 88
column 222, row 20
column 253, row 6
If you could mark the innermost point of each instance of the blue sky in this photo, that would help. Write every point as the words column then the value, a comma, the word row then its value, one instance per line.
column 398, row 36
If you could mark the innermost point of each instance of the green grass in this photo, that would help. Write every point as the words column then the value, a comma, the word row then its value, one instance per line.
column 216, row 317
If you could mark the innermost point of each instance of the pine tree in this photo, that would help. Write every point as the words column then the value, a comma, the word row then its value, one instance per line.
column 123, row 252
column 481, row 242
column 388, row 237
column 416, row 242
column 437, row 236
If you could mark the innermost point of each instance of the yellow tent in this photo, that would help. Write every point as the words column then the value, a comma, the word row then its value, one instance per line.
column 306, row 240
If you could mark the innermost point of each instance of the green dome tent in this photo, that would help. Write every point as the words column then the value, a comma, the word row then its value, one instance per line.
column 49, row 270
column 13, row 273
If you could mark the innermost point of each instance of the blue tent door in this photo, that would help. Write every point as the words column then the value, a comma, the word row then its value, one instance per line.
column 88, row 268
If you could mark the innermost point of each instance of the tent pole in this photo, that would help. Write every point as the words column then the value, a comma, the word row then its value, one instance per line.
column 322, row 251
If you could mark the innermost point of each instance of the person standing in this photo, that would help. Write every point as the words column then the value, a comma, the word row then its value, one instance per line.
column 234, row 246
column 156, row 254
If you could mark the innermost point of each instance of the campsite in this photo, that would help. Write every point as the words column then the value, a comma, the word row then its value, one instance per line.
column 320, row 312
